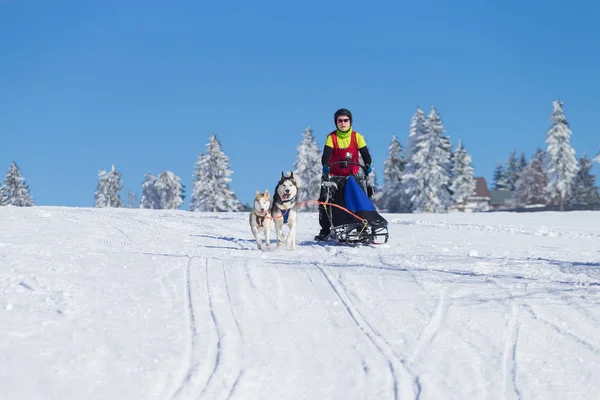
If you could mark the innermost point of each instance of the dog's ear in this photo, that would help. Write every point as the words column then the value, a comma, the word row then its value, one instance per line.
column 267, row 193
column 257, row 193
column 282, row 175
column 292, row 174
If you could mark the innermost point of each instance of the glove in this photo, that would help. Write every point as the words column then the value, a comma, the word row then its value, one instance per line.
column 368, row 170
column 325, row 169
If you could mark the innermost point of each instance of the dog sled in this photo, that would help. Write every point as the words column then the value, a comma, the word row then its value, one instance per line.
column 351, row 213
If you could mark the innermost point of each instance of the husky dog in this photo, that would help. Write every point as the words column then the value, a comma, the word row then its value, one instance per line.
column 283, row 211
column 260, row 219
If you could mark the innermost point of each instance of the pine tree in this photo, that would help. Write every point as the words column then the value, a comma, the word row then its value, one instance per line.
column 597, row 159
column 3, row 195
column 562, row 163
column 434, row 177
column 463, row 185
column 410, row 185
column 500, row 182
column 307, row 169
column 522, row 162
column 170, row 190
column 150, row 196
column 512, row 170
column 211, row 191
column 107, row 191
column 531, row 187
column 16, row 190
column 391, row 197
column 584, row 190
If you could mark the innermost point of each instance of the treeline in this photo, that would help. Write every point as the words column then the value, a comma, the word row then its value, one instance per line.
column 430, row 176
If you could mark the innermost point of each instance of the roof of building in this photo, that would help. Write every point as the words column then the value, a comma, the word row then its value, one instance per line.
column 481, row 188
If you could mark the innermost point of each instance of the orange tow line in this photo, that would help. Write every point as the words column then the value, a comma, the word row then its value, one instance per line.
column 324, row 203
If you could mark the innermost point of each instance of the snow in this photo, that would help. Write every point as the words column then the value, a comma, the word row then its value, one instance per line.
column 157, row 304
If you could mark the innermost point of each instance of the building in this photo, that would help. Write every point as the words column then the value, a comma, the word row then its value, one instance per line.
column 500, row 199
column 479, row 201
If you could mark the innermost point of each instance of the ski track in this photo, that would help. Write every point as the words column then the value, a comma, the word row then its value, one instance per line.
column 400, row 388
column 219, row 334
column 563, row 332
column 509, row 370
column 238, row 328
column 192, row 357
column 433, row 327
column 503, row 229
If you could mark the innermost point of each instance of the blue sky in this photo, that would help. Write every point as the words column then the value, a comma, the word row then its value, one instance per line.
column 142, row 85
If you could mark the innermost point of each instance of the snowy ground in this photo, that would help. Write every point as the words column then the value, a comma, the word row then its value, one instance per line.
column 141, row 304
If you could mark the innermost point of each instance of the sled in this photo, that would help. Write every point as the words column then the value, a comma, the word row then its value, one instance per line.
column 352, row 214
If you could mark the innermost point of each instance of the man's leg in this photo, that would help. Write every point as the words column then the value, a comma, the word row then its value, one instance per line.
column 324, row 221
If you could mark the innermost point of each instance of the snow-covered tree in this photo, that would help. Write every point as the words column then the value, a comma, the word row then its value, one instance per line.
column 308, row 170
column 432, row 179
column 162, row 192
column 108, row 188
column 584, row 188
column 463, row 185
column 522, row 162
column 391, row 197
column 531, row 187
column 16, row 190
column 150, row 196
column 597, row 159
column 170, row 190
column 512, row 171
column 562, row 163
column 500, row 182
column 3, row 195
column 211, row 191
column 417, row 133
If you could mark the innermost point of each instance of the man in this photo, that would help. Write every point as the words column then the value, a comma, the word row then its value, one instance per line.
column 343, row 144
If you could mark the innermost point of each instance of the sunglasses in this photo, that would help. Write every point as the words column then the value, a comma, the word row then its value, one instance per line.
column 343, row 120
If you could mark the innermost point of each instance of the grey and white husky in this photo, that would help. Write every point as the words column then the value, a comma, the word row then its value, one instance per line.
column 283, row 210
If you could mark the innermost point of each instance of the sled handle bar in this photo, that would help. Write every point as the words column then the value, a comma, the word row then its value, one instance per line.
column 363, row 167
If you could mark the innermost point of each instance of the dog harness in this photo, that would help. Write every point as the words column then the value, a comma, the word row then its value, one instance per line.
column 260, row 220
column 284, row 211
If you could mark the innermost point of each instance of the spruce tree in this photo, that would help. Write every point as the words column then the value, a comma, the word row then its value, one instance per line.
column 391, row 197
column 211, row 191
column 531, row 187
column 463, row 185
column 308, row 170
column 513, row 168
column 108, row 188
column 3, row 195
column 432, row 180
column 562, row 163
column 411, row 184
column 150, row 196
column 170, row 190
column 16, row 190
column 584, row 190
column 500, row 182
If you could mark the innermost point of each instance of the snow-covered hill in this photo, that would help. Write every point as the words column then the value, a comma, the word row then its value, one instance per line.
column 143, row 304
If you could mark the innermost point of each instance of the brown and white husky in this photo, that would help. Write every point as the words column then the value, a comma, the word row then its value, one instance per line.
column 260, row 220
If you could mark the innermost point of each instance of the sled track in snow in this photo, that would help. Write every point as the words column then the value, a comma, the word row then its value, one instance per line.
column 192, row 361
column 373, row 336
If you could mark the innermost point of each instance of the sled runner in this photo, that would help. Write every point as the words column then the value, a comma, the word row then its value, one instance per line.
column 352, row 214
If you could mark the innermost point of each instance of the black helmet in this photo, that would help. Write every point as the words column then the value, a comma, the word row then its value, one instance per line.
column 342, row 112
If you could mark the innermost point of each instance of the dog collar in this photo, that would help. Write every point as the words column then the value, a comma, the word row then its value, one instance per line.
column 287, row 201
